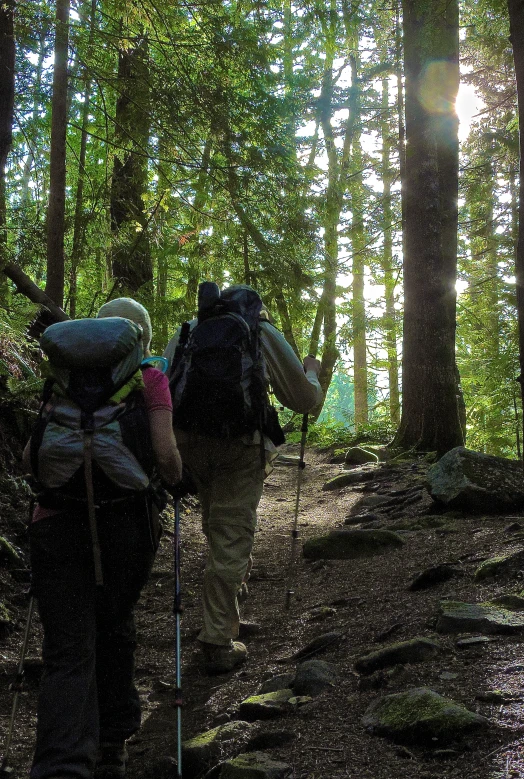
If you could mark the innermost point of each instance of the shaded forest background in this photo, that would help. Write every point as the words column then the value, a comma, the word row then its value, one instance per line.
column 152, row 145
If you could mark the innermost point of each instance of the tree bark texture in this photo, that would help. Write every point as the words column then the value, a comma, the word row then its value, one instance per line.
column 516, row 25
column 7, row 92
column 57, row 168
column 430, row 416
column 390, row 315
column 131, row 261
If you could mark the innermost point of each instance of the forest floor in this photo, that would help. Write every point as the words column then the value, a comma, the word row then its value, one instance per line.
column 370, row 605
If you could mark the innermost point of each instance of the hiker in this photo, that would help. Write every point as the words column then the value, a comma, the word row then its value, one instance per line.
column 228, row 460
column 88, row 705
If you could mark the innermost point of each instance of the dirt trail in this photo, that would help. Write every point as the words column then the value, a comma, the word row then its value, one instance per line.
column 371, row 598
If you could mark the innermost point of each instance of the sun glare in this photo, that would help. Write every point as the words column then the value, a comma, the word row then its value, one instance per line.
column 468, row 105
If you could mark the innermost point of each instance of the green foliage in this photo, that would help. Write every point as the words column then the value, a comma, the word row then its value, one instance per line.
column 263, row 137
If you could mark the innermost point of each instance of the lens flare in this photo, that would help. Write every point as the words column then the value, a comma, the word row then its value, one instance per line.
column 438, row 87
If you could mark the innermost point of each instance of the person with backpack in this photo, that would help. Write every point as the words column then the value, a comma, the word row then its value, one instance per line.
column 102, row 439
column 221, row 366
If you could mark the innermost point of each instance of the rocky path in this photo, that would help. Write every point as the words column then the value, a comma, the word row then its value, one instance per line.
column 345, row 615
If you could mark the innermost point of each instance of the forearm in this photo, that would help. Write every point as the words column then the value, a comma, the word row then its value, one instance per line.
column 165, row 446
column 295, row 389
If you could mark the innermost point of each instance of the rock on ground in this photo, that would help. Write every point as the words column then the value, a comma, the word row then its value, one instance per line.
column 475, row 482
column 416, row 650
column 347, row 544
column 420, row 716
column 457, row 617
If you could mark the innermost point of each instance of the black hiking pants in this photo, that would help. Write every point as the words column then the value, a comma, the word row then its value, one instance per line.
column 87, row 693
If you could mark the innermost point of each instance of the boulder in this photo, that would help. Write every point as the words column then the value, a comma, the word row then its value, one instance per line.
column 227, row 740
column 505, row 565
column 255, row 765
column 420, row 716
column 417, row 650
column 487, row 618
column 371, row 502
column 266, row 706
column 314, row 676
column 476, row 482
column 347, row 478
column 275, row 683
column 348, row 544
column 357, row 455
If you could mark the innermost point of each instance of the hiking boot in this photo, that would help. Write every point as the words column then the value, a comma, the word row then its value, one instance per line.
column 222, row 659
column 111, row 760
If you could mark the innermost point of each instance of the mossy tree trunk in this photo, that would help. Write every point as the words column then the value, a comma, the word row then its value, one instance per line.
column 131, row 259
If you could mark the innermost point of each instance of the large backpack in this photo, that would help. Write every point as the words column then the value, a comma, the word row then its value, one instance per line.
column 92, row 442
column 218, row 379
column 92, row 390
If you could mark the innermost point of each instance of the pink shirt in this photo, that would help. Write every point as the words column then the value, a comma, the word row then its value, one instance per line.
column 156, row 397
column 156, row 391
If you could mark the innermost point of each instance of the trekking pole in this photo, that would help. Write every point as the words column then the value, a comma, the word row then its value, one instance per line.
column 177, row 611
column 294, row 532
column 16, row 687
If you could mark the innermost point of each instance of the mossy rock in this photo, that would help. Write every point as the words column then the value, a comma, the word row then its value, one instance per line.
column 279, row 682
column 487, row 618
column 503, row 565
column 416, row 650
column 266, row 706
column 350, row 544
column 199, row 752
column 358, row 455
column 255, row 765
column 347, row 478
column 420, row 716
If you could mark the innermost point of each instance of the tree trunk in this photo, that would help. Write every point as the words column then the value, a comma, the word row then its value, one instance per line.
column 430, row 416
column 390, row 315
column 131, row 261
column 57, row 168
column 358, row 247
column 78, row 224
column 7, row 92
column 516, row 25
column 26, row 287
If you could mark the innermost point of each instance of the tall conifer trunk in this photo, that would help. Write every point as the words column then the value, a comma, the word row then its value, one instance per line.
column 516, row 19
column 430, row 415
column 131, row 261
column 57, row 169
column 7, row 92
column 390, row 316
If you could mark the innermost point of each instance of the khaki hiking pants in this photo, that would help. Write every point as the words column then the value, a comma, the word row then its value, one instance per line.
column 229, row 476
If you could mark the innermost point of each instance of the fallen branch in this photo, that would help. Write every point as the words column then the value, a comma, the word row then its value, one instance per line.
column 26, row 287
